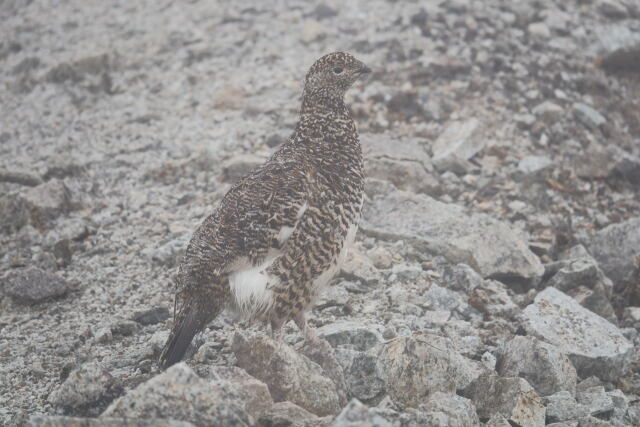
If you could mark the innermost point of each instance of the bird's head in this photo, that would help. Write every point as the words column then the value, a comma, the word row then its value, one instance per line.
column 331, row 75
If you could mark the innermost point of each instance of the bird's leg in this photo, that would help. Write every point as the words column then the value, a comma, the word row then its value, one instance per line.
column 309, row 334
column 276, row 328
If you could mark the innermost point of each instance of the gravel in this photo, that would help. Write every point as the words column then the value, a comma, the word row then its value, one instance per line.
column 500, row 234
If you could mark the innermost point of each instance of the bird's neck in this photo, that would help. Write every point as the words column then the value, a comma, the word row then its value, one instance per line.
column 327, row 132
column 322, row 118
column 322, row 103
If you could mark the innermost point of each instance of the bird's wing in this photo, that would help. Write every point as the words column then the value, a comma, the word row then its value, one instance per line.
column 255, row 218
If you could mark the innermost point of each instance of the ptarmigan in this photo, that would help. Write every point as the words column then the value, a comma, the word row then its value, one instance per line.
column 281, row 233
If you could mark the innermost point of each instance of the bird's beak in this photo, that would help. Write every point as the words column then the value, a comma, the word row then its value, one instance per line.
column 363, row 70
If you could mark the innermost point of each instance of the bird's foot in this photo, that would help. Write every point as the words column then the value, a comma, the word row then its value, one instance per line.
column 310, row 335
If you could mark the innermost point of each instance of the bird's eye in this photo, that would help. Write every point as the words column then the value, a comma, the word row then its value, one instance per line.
column 337, row 70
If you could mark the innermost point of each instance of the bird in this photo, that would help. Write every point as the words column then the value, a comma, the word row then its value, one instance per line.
column 280, row 234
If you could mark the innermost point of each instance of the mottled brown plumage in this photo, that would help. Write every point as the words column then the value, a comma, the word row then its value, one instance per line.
column 279, row 235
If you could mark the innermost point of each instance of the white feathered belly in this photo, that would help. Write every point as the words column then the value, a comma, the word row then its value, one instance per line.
column 249, row 290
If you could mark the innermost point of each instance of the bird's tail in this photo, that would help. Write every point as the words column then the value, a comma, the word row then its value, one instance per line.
column 192, row 317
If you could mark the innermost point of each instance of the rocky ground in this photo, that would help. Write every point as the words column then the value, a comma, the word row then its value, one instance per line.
column 496, row 276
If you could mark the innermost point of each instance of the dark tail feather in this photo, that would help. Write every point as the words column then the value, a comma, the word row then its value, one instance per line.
column 187, row 326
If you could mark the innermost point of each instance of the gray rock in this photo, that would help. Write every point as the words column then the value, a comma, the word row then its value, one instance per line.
column 623, row 55
column 358, row 267
column 124, row 327
column 612, row 9
column 616, row 248
column 33, row 285
column 103, row 335
column 619, row 399
column 458, row 143
column 179, row 393
column 596, row 161
column 562, row 406
column 627, row 168
column 322, row 11
column 288, row 374
column 324, row 355
column 595, row 300
column 60, row 421
column 38, row 206
column 491, row 247
column 443, row 299
column 19, row 177
column 542, row 365
column 582, row 278
column 87, row 391
column 514, row 398
column 557, row 20
column 631, row 316
column 404, row 163
column 596, row 399
column 417, row 366
column 588, row 115
column 534, row 164
column 497, row 420
column 539, row 30
column 169, row 253
column 355, row 414
column 46, row 202
column 380, row 257
column 593, row 422
column 254, row 392
column 361, row 373
column 633, row 415
column 468, row 370
column 460, row 277
column 595, row 346
column 459, row 410
column 353, row 334
column 492, row 298
column 14, row 213
column 287, row 414
column 524, row 121
column 405, row 273
column 548, row 112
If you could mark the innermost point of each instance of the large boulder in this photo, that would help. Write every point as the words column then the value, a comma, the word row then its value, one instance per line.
column 415, row 367
column 491, row 247
column 288, row 374
column 457, row 144
column 578, row 275
column 32, row 286
column 255, row 393
column 179, row 393
column 512, row 397
column 404, row 162
column 617, row 248
column 541, row 364
column 594, row 345
column 87, row 391
column 38, row 206
column 458, row 410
